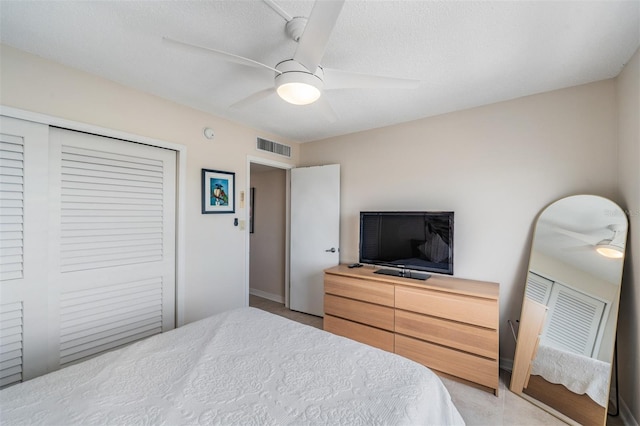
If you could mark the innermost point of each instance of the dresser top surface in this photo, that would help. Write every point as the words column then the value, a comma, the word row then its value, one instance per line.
column 484, row 289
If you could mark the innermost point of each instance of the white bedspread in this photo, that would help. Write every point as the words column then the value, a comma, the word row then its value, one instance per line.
column 578, row 373
column 244, row 367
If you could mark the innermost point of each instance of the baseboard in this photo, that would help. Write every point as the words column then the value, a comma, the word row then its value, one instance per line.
column 626, row 415
column 265, row 295
column 506, row 364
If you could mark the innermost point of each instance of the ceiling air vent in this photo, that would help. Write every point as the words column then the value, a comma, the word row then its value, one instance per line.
column 276, row 148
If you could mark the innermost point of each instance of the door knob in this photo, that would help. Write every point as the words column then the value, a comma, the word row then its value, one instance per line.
column 331, row 250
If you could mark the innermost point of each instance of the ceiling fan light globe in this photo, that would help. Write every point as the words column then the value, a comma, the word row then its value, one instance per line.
column 607, row 249
column 296, row 85
column 298, row 93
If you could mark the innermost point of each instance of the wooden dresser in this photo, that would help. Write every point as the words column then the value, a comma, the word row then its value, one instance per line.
column 448, row 324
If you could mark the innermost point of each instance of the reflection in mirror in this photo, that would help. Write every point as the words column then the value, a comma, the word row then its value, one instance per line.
column 569, row 315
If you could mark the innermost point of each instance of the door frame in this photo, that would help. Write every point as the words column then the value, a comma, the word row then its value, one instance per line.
column 181, row 175
column 287, row 168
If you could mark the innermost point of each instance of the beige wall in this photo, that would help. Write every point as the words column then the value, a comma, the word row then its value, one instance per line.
column 215, row 249
column 628, row 92
column 267, row 249
column 496, row 166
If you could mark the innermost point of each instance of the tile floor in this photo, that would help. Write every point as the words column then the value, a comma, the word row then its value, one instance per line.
column 476, row 406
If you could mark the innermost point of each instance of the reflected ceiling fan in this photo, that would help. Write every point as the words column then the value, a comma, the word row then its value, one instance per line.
column 609, row 247
column 301, row 80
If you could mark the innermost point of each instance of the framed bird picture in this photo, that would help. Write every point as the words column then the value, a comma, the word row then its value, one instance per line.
column 218, row 191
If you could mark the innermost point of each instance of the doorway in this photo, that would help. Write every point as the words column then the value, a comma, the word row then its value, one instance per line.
column 268, row 231
column 272, row 238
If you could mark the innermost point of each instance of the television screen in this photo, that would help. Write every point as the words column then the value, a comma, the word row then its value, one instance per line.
column 421, row 241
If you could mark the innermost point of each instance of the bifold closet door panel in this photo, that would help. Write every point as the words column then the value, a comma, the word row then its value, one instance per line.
column 87, row 246
column 112, row 242
column 24, row 159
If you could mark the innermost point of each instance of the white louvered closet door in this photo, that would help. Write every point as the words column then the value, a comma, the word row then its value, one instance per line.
column 87, row 246
column 538, row 288
column 111, row 242
column 24, row 352
column 573, row 321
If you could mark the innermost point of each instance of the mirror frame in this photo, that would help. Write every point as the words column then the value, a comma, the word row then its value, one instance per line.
column 545, row 393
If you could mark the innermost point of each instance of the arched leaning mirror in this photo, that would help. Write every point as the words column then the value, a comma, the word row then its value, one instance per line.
column 567, row 329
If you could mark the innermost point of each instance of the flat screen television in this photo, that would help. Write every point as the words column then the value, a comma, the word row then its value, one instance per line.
column 408, row 241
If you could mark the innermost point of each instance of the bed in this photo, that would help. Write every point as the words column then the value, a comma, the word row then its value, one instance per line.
column 244, row 366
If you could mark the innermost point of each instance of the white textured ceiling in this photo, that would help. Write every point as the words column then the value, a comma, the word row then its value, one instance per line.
column 569, row 229
column 465, row 54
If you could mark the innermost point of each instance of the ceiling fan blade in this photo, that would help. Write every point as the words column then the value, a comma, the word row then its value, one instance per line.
column 576, row 235
column 280, row 11
column 316, row 34
column 325, row 108
column 337, row 79
column 226, row 56
column 588, row 247
column 251, row 99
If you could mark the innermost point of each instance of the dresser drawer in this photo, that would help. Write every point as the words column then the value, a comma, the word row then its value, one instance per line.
column 362, row 333
column 467, row 309
column 362, row 312
column 468, row 338
column 354, row 288
column 450, row 361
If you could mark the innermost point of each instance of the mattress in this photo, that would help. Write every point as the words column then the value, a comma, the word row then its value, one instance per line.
column 243, row 366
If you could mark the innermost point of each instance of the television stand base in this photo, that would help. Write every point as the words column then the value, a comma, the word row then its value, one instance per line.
column 403, row 273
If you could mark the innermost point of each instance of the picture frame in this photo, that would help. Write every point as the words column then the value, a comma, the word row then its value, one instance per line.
column 252, row 195
column 218, row 191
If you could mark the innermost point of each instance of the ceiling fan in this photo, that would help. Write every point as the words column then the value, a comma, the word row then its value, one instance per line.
column 609, row 247
column 301, row 80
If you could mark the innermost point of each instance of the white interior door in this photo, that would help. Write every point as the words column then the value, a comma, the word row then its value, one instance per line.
column 315, row 234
